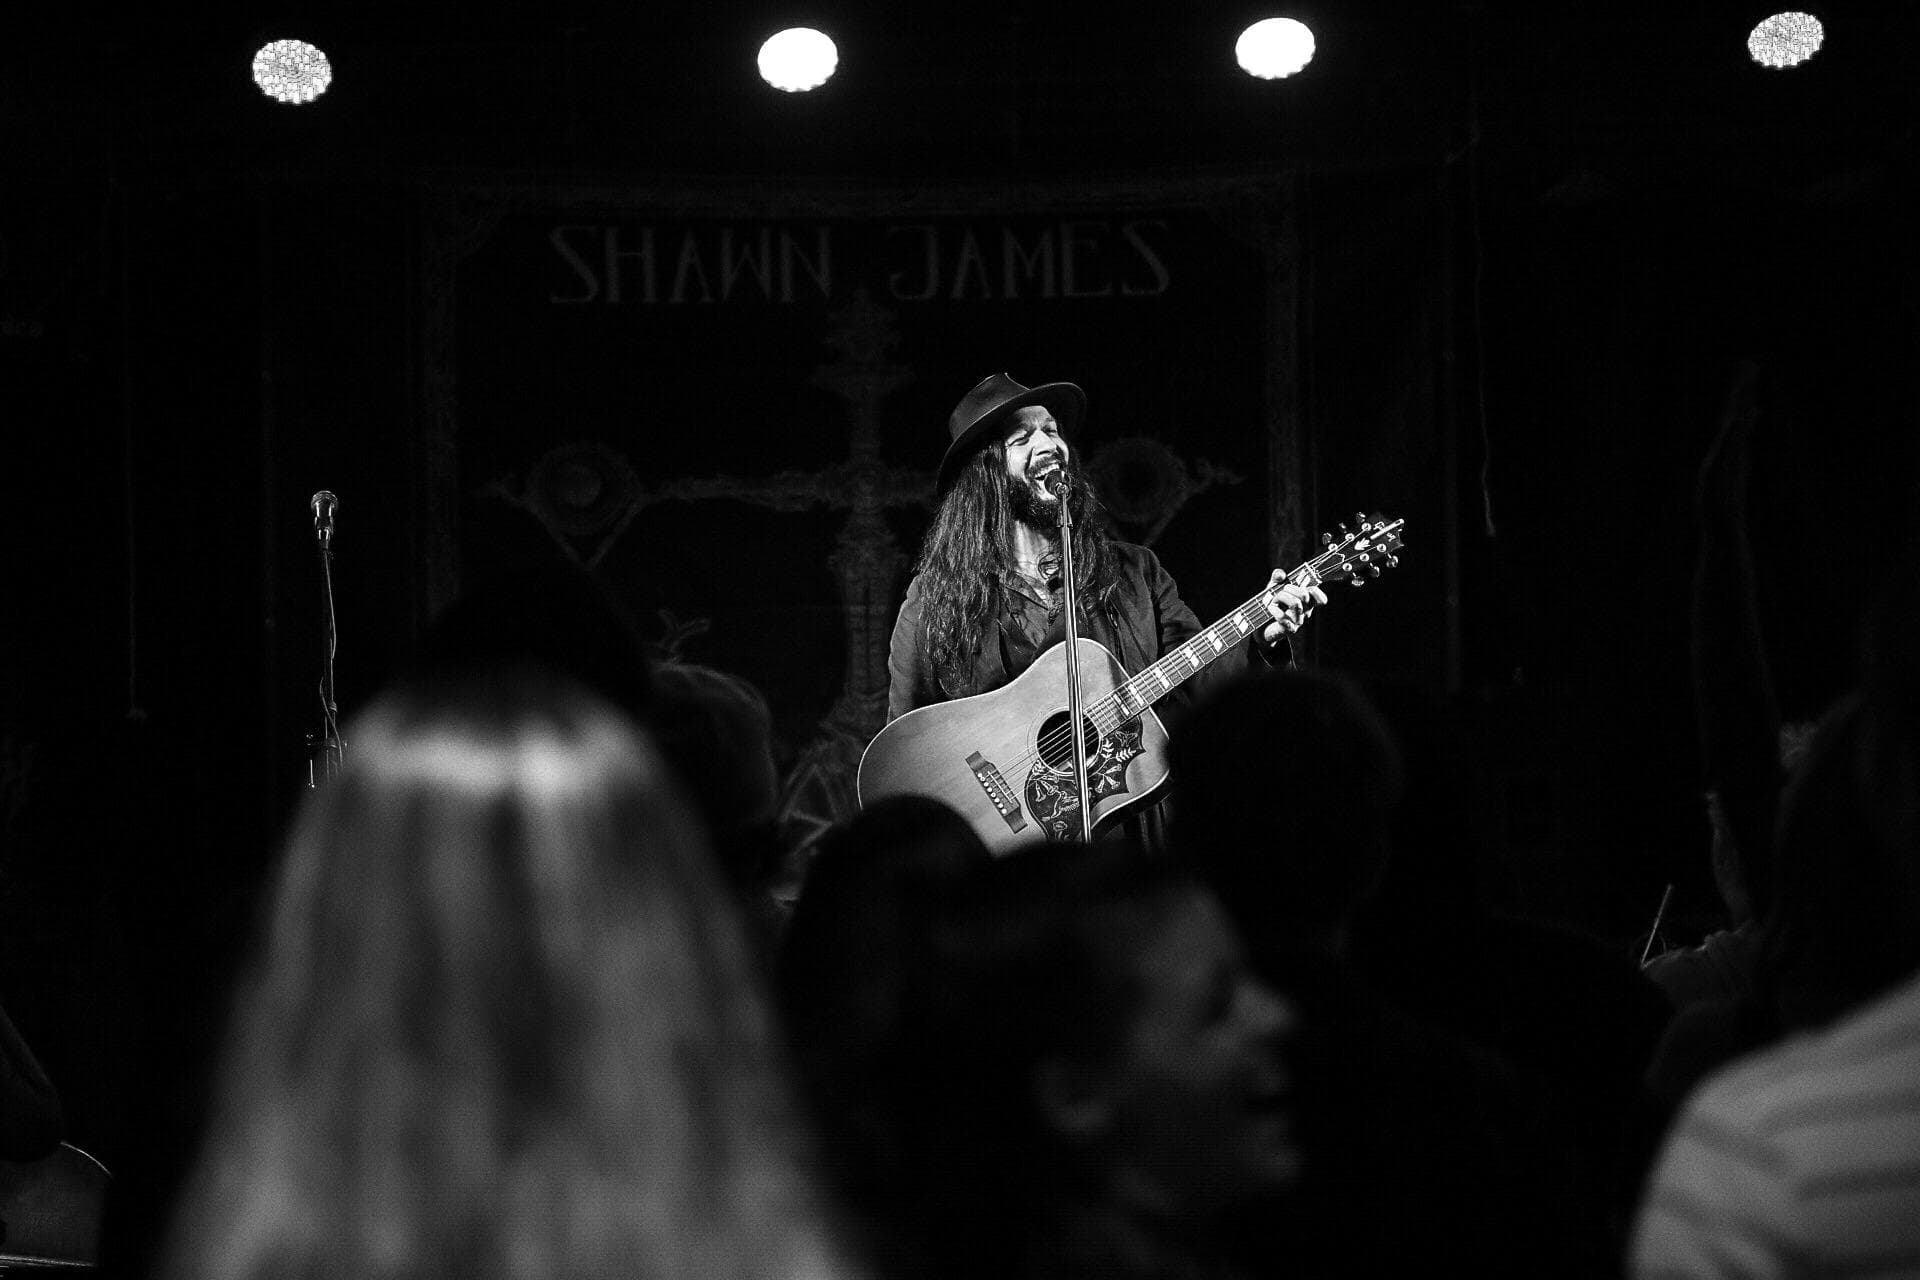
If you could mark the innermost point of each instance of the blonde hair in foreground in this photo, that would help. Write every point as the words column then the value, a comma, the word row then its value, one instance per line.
column 503, row 1023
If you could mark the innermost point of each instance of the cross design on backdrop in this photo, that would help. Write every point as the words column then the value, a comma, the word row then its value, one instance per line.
column 585, row 495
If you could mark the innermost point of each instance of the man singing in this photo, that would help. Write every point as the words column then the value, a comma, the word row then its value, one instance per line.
column 986, row 596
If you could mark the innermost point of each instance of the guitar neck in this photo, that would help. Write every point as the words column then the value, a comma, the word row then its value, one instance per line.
column 1369, row 549
column 1181, row 664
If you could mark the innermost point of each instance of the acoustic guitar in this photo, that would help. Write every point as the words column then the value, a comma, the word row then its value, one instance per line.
column 50, row 1214
column 1004, row 760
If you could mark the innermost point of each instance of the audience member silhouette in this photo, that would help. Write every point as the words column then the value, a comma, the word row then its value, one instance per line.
column 1424, row 1151
column 717, row 731
column 874, row 886
column 713, row 726
column 545, row 613
column 1568, row 1011
column 1840, row 932
column 1094, row 1082
column 1800, row 1159
column 504, row 1021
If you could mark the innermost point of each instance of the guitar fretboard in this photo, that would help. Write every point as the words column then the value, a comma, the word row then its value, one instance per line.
column 1178, row 665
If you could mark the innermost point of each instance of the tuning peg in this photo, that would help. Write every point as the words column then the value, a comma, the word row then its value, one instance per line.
column 1360, row 518
column 1393, row 562
column 1326, row 539
column 1373, row 571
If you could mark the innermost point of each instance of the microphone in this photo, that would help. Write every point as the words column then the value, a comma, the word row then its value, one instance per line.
column 323, row 505
column 1053, row 480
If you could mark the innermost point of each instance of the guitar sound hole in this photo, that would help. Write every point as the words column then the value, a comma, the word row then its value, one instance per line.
column 1056, row 741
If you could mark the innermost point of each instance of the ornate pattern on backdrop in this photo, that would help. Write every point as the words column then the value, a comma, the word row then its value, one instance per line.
column 632, row 377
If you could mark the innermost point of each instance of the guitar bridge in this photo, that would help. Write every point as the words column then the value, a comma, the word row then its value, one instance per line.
column 988, row 775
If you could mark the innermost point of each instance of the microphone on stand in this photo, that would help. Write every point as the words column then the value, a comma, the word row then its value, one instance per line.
column 1054, row 480
column 323, row 505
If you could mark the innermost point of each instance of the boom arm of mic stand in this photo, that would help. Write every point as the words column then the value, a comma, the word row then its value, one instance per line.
column 1073, row 672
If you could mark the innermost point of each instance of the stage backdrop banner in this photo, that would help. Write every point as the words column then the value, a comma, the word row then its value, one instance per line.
column 731, row 411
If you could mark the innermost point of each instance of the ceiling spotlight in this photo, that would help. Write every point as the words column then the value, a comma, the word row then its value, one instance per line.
column 798, row 59
column 1786, row 39
column 1274, row 48
column 291, row 71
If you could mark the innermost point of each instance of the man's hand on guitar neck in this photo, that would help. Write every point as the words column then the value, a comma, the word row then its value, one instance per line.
column 1291, row 603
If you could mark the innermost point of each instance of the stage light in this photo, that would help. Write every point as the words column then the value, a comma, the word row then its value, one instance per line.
column 798, row 59
column 291, row 71
column 1786, row 39
column 1273, row 48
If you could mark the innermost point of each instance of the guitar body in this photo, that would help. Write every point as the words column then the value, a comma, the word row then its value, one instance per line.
column 1004, row 760
column 50, row 1213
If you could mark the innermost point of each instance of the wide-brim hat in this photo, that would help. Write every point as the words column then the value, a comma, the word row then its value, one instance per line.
column 983, row 410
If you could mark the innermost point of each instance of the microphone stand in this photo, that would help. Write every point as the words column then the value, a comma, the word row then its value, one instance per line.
column 332, row 751
column 1072, row 604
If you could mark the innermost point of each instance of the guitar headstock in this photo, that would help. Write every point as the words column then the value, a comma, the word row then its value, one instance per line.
column 1361, row 552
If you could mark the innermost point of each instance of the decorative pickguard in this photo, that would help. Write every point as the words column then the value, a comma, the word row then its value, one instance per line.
column 1050, row 792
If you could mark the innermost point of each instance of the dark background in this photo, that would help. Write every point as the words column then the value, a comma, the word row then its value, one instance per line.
column 1524, row 249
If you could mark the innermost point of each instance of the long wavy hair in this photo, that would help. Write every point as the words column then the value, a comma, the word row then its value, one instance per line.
column 504, row 1023
column 968, row 558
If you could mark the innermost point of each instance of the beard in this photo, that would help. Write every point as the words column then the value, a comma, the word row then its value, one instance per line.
column 1034, row 506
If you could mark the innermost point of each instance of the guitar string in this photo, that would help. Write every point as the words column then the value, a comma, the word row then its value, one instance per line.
column 1345, row 553
column 1102, row 713
column 1159, row 670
